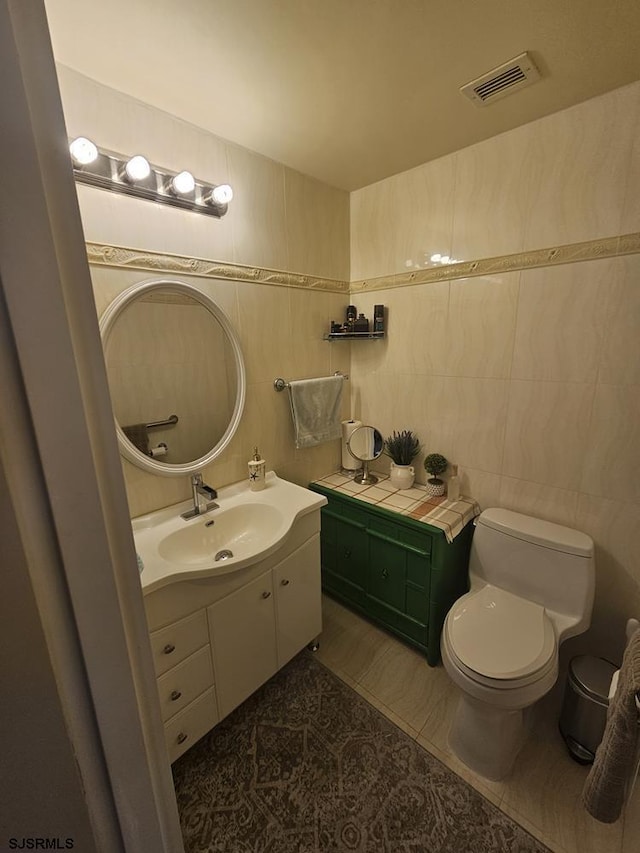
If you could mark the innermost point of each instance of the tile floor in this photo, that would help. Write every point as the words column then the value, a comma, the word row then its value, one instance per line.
column 542, row 793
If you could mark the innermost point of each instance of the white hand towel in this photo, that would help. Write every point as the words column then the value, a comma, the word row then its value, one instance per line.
column 315, row 409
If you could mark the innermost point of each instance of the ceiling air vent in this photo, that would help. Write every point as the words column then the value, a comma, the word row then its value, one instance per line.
column 499, row 82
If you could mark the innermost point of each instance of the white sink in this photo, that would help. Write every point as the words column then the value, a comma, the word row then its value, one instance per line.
column 247, row 527
column 241, row 530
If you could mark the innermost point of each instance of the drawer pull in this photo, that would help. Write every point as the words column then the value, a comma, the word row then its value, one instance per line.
column 182, row 737
column 175, row 694
column 169, row 648
column 347, row 552
column 284, row 582
column 385, row 573
column 266, row 594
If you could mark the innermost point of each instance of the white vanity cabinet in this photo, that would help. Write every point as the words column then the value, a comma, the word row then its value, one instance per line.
column 257, row 629
column 217, row 639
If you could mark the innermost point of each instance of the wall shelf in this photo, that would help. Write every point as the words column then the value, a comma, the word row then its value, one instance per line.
column 351, row 336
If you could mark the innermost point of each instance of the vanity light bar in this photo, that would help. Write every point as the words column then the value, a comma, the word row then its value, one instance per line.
column 137, row 177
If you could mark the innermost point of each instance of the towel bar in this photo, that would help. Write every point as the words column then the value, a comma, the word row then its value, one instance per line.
column 281, row 384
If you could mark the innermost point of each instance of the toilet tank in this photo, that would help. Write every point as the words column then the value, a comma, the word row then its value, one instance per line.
column 537, row 560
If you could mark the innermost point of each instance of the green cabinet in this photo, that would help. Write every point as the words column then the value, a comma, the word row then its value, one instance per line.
column 398, row 572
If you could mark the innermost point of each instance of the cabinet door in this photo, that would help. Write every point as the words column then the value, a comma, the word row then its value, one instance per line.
column 243, row 639
column 387, row 572
column 296, row 582
column 394, row 597
column 344, row 556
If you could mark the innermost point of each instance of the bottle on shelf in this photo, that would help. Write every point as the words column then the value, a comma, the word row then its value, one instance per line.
column 352, row 313
column 361, row 324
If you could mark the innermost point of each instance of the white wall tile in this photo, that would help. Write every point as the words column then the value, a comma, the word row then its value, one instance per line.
column 547, row 429
column 493, row 188
column 399, row 223
column 611, row 465
column 481, row 326
column 562, row 314
column 579, row 171
column 620, row 362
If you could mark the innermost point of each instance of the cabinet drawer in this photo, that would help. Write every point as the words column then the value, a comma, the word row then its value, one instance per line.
column 185, row 682
column 176, row 642
column 183, row 730
column 401, row 534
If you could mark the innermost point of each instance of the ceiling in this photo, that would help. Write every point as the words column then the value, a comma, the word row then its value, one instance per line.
column 348, row 91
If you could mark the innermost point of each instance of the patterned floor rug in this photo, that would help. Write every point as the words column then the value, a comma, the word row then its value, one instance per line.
column 306, row 765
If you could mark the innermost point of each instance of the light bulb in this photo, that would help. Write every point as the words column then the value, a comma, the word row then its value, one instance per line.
column 444, row 259
column 436, row 258
column 183, row 183
column 221, row 194
column 83, row 151
column 137, row 168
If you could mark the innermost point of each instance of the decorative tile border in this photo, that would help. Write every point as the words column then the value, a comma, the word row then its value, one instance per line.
column 120, row 256
column 609, row 247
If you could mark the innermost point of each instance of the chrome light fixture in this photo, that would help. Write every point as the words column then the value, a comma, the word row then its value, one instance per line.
column 136, row 169
column 222, row 194
column 83, row 151
column 137, row 177
column 182, row 184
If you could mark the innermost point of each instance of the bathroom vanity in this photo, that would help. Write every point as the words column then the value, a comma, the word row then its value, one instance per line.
column 232, row 585
column 220, row 630
column 400, row 572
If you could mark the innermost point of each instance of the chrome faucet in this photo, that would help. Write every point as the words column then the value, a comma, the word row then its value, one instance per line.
column 203, row 498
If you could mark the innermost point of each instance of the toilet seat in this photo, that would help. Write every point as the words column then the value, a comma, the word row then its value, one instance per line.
column 500, row 639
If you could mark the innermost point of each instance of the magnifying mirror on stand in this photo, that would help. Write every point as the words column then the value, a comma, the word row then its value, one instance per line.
column 365, row 444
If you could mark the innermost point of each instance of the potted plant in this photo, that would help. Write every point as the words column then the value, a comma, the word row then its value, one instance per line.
column 435, row 464
column 402, row 447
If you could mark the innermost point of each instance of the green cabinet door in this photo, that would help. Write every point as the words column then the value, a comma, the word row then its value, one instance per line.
column 344, row 554
column 387, row 571
column 392, row 596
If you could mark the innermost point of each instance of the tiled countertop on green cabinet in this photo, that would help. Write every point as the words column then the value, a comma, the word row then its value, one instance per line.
column 448, row 516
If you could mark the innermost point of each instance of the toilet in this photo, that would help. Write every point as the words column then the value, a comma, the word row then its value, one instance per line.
column 531, row 587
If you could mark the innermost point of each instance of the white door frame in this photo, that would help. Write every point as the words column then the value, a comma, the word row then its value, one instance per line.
column 60, row 459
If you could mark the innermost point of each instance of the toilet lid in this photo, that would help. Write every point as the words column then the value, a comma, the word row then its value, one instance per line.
column 500, row 635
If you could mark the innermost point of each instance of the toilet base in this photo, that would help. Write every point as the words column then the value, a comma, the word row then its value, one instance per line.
column 487, row 739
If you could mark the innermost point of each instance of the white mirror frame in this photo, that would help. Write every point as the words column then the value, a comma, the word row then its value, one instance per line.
column 107, row 322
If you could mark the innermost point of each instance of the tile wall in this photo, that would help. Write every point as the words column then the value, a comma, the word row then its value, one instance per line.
column 278, row 219
column 528, row 380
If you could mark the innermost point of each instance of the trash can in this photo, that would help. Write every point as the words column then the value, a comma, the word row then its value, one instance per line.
column 584, row 710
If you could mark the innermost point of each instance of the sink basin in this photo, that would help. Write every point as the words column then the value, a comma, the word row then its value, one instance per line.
column 246, row 528
column 240, row 529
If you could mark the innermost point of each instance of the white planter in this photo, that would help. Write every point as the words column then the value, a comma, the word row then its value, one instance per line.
column 402, row 476
column 435, row 489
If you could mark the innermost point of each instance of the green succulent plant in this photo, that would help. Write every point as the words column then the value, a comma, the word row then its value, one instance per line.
column 402, row 447
column 435, row 464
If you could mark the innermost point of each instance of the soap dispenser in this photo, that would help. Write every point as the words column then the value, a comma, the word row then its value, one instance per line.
column 257, row 468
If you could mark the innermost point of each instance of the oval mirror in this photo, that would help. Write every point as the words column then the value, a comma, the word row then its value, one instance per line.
column 176, row 376
column 365, row 444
